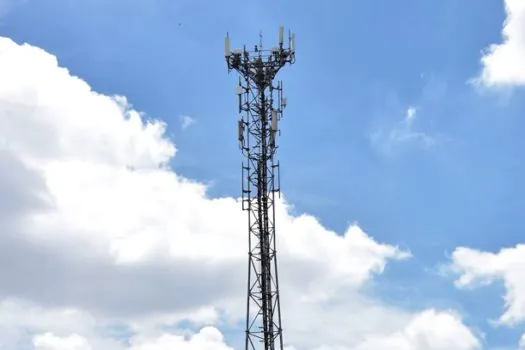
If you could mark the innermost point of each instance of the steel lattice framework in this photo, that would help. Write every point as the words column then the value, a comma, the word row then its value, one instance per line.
column 261, row 105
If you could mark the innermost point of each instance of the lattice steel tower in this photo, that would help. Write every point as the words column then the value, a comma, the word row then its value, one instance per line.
column 261, row 105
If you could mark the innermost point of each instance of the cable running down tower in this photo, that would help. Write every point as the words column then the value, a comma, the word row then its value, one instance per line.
column 261, row 105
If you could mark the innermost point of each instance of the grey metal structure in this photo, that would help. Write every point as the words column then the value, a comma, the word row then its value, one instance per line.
column 261, row 105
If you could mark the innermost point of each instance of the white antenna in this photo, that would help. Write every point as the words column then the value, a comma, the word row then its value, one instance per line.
column 281, row 35
column 274, row 120
column 239, row 89
column 227, row 48
column 292, row 43
column 240, row 131
column 284, row 101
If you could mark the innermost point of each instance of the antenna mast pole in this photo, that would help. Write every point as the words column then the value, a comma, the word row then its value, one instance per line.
column 261, row 105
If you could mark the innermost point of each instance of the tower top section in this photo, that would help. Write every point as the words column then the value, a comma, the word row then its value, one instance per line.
column 259, row 64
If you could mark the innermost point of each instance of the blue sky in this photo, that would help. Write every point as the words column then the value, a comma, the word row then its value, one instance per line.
column 347, row 154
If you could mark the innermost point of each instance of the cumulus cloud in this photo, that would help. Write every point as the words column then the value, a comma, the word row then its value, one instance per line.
column 424, row 332
column 98, row 234
column 477, row 268
column 502, row 64
column 49, row 341
column 208, row 338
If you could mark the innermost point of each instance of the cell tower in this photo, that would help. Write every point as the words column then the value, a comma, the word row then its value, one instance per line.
column 261, row 105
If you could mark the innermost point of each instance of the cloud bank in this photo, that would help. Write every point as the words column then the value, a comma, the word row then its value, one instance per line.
column 104, row 246
column 502, row 64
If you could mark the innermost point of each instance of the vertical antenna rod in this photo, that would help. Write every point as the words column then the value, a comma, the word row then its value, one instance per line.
column 261, row 105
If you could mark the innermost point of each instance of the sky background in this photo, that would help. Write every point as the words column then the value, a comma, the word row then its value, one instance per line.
column 384, row 125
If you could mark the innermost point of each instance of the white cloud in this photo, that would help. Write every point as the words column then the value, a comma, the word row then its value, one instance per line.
column 98, row 232
column 49, row 341
column 477, row 268
column 186, row 121
column 208, row 338
column 424, row 332
column 502, row 64
column 389, row 139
